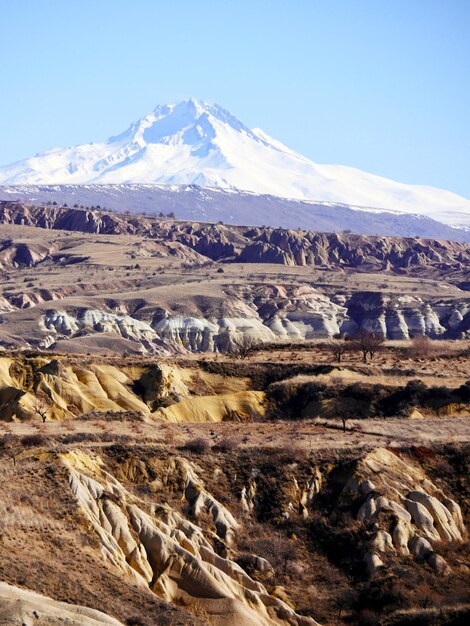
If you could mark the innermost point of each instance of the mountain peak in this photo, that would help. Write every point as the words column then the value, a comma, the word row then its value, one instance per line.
column 188, row 122
column 193, row 109
column 191, row 105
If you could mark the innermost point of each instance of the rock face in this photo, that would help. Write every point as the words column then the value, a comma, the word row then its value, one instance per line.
column 262, row 313
column 406, row 513
column 294, row 495
column 193, row 202
column 128, row 315
column 160, row 393
column 397, row 511
column 403, row 317
column 253, row 245
column 268, row 313
column 209, row 335
column 163, row 550
column 66, row 325
column 23, row 254
column 21, row 607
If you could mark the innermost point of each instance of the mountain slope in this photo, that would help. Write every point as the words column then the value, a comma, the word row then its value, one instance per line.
column 195, row 143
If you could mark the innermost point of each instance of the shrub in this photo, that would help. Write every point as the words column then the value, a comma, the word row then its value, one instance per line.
column 136, row 621
column 464, row 392
column 243, row 346
column 198, row 446
column 367, row 617
column 30, row 441
column 367, row 343
column 402, row 400
column 421, row 346
column 226, row 445
column 423, row 453
column 438, row 395
column 80, row 438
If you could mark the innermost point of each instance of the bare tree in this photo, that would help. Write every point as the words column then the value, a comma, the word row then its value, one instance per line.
column 10, row 447
column 278, row 549
column 367, row 343
column 242, row 346
column 342, row 411
column 40, row 408
column 338, row 346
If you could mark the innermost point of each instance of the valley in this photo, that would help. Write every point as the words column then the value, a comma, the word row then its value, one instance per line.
column 213, row 491
column 180, row 434
column 234, row 332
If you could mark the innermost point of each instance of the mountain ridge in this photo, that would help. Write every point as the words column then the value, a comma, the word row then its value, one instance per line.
column 191, row 202
column 221, row 242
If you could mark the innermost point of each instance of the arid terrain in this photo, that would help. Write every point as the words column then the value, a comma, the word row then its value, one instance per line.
column 96, row 282
column 210, row 424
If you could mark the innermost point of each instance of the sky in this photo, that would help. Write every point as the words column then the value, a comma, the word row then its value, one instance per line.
column 382, row 85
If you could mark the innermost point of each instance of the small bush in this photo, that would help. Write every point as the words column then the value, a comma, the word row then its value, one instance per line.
column 80, row 438
column 198, row 446
column 29, row 441
column 464, row 392
column 423, row 453
column 421, row 346
column 226, row 445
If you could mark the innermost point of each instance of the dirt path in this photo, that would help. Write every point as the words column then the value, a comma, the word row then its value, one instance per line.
column 306, row 435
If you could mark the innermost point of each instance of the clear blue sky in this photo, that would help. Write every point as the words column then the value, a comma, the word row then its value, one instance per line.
column 383, row 85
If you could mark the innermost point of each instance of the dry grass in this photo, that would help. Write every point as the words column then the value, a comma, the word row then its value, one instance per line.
column 312, row 436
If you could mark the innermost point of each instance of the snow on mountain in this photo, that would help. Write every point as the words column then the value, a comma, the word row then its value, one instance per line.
column 195, row 143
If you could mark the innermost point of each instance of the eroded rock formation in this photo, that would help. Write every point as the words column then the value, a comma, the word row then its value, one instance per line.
column 159, row 547
column 268, row 313
column 32, row 387
column 403, row 510
column 21, row 607
column 253, row 245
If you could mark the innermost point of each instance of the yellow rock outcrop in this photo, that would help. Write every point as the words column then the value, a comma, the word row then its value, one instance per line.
column 163, row 393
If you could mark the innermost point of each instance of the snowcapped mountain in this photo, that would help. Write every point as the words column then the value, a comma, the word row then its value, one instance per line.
column 195, row 143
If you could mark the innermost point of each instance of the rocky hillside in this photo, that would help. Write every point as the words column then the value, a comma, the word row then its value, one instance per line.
column 42, row 388
column 19, row 607
column 230, row 538
column 254, row 245
column 56, row 389
column 277, row 491
column 59, row 320
column 97, row 283
column 193, row 202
